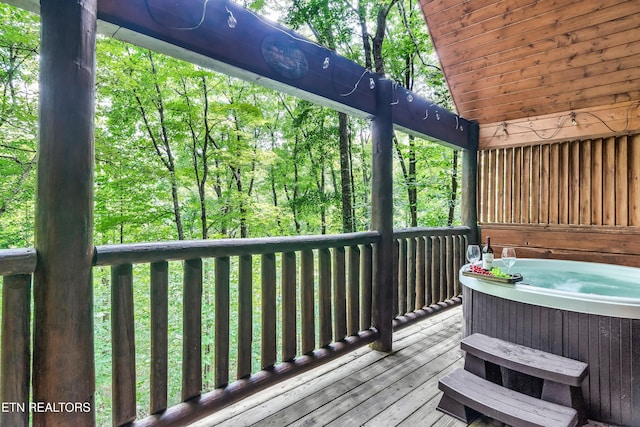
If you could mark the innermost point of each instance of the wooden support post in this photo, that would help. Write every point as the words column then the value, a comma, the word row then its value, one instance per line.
column 63, row 365
column 382, row 215
column 469, row 203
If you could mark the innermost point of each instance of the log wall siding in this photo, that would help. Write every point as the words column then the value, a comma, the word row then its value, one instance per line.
column 539, row 196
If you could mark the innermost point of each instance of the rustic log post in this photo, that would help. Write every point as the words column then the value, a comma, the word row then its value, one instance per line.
column 63, row 365
column 469, row 202
column 382, row 215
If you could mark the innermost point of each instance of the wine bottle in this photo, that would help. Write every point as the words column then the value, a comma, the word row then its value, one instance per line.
column 487, row 255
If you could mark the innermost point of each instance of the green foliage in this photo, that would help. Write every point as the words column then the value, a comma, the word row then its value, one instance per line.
column 184, row 151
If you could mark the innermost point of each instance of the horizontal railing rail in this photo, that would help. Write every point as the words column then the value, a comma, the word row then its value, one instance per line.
column 16, row 268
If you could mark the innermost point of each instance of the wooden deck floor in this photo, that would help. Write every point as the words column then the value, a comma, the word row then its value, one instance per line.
column 364, row 388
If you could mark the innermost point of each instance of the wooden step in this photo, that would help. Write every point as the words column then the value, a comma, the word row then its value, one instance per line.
column 527, row 360
column 464, row 390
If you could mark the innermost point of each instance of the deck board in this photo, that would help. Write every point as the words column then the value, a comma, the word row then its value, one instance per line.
column 366, row 387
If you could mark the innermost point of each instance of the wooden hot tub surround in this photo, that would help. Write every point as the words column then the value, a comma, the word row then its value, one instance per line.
column 612, row 388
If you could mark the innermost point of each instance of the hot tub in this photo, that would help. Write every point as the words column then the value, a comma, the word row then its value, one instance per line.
column 585, row 311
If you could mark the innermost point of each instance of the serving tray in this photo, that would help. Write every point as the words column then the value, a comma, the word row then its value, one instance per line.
column 513, row 278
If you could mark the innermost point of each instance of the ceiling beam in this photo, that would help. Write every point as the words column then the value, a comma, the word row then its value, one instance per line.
column 225, row 37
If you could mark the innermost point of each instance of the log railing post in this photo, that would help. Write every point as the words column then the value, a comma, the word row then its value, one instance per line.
column 382, row 215
column 63, row 365
column 469, row 202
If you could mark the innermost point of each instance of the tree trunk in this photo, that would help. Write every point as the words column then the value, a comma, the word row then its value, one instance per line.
column 345, row 174
column 454, row 187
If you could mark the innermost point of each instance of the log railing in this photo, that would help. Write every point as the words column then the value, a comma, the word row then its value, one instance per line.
column 322, row 286
column 428, row 260
column 330, row 274
column 16, row 269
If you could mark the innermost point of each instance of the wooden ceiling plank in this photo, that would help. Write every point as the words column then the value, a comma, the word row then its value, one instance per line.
column 502, row 16
column 568, row 79
column 544, row 86
column 468, row 13
column 609, row 48
column 583, row 14
column 583, row 40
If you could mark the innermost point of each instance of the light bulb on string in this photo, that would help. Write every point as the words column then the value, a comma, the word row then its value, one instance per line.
column 231, row 20
column 409, row 97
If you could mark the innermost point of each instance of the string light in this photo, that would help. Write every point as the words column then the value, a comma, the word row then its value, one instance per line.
column 372, row 83
column 232, row 23
column 572, row 116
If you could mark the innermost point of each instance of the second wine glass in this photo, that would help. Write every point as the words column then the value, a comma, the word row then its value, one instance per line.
column 508, row 258
column 473, row 253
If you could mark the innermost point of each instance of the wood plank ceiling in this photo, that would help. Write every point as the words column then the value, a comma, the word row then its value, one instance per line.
column 513, row 59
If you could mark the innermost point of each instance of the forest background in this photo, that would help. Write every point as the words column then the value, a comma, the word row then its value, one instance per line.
column 184, row 152
column 187, row 153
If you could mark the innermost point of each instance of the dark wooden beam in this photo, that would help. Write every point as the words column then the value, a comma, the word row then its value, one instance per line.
column 267, row 54
column 63, row 356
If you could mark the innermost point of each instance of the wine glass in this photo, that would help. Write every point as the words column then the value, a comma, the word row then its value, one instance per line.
column 473, row 253
column 508, row 258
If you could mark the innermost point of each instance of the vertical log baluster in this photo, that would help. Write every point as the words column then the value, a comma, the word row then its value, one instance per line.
column 411, row 275
column 366, row 267
column 458, row 261
column 123, row 345
column 429, row 271
column 450, row 276
column 421, row 266
column 339, row 294
column 16, row 347
column 324, row 297
column 395, row 277
column 222, row 322
column 307, row 298
column 245, row 315
column 159, row 272
column 443, row 268
column 353, row 290
column 435, row 270
column 268, row 310
column 401, row 288
column 192, row 329
column 288, row 306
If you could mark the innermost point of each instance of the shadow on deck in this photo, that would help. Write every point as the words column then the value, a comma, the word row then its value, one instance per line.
column 364, row 387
